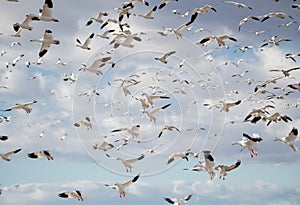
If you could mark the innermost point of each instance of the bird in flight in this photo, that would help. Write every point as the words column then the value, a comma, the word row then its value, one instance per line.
column 176, row 201
column 121, row 186
column 290, row 139
column 5, row 156
column 223, row 169
column 24, row 106
column 71, row 194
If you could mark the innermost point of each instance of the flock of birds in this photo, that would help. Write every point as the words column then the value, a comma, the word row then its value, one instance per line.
column 120, row 34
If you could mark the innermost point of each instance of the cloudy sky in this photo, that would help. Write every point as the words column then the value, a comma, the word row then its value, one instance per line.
column 194, row 90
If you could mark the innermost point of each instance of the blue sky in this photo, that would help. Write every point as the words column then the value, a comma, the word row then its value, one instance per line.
column 269, row 178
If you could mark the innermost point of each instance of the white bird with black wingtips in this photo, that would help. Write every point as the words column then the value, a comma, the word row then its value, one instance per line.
column 208, row 166
column 290, row 139
column 86, row 43
column 71, row 194
column 121, row 186
column 5, row 156
column 46, row 12
column 133, row 131
column 127, row 162
column 163, row 58
column 223, row 169
column 46, row 41
column 40, row 154
column 151, row 113
column 249, row 143
column 176, row 201
column 24, row 106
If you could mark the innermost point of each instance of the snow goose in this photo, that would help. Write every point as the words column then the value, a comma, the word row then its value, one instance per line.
column 6, row 155
column 249, row 143
column 4, row 118
column 275, row 42
column 46, row 41
column 124, row 12
column 227, row 105
column 177, row 31
column 121, row 186
column 286, row 72
column 17, row 59
column 98, row 19
column 125, row 89
column 107, row 21
column 181, row 201
column 219, row 39
column 265, row 83
column 278, row 117
column 292, row 56
column 208, row 166
column 182, row 155
column 149, row 14
column 169, row 128
column 104, row 146
column 127, row 162
column 152, row 150
column 201, row 10
column 223, row 169
column 280, row 15
column 105, row 34
column 150, row 98
column 40, row 154
column 163, row 59
column 93, row 67
column 86, row 122
column 70, row 78
column 133, row 131
column 71, row 194
column 290, row 139
column 127, row 42
column 86, row 43
column 46, row 12
column 3, row 137
column 135, row 1
column 246, row 19
column 164, row 3
column 238, row 4
column 151, row 113
column 24, row 106
column 26, row 23
column 256, row 114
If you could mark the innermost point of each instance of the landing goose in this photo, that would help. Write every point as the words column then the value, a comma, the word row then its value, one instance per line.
column 290, row 139
column 249, row 143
